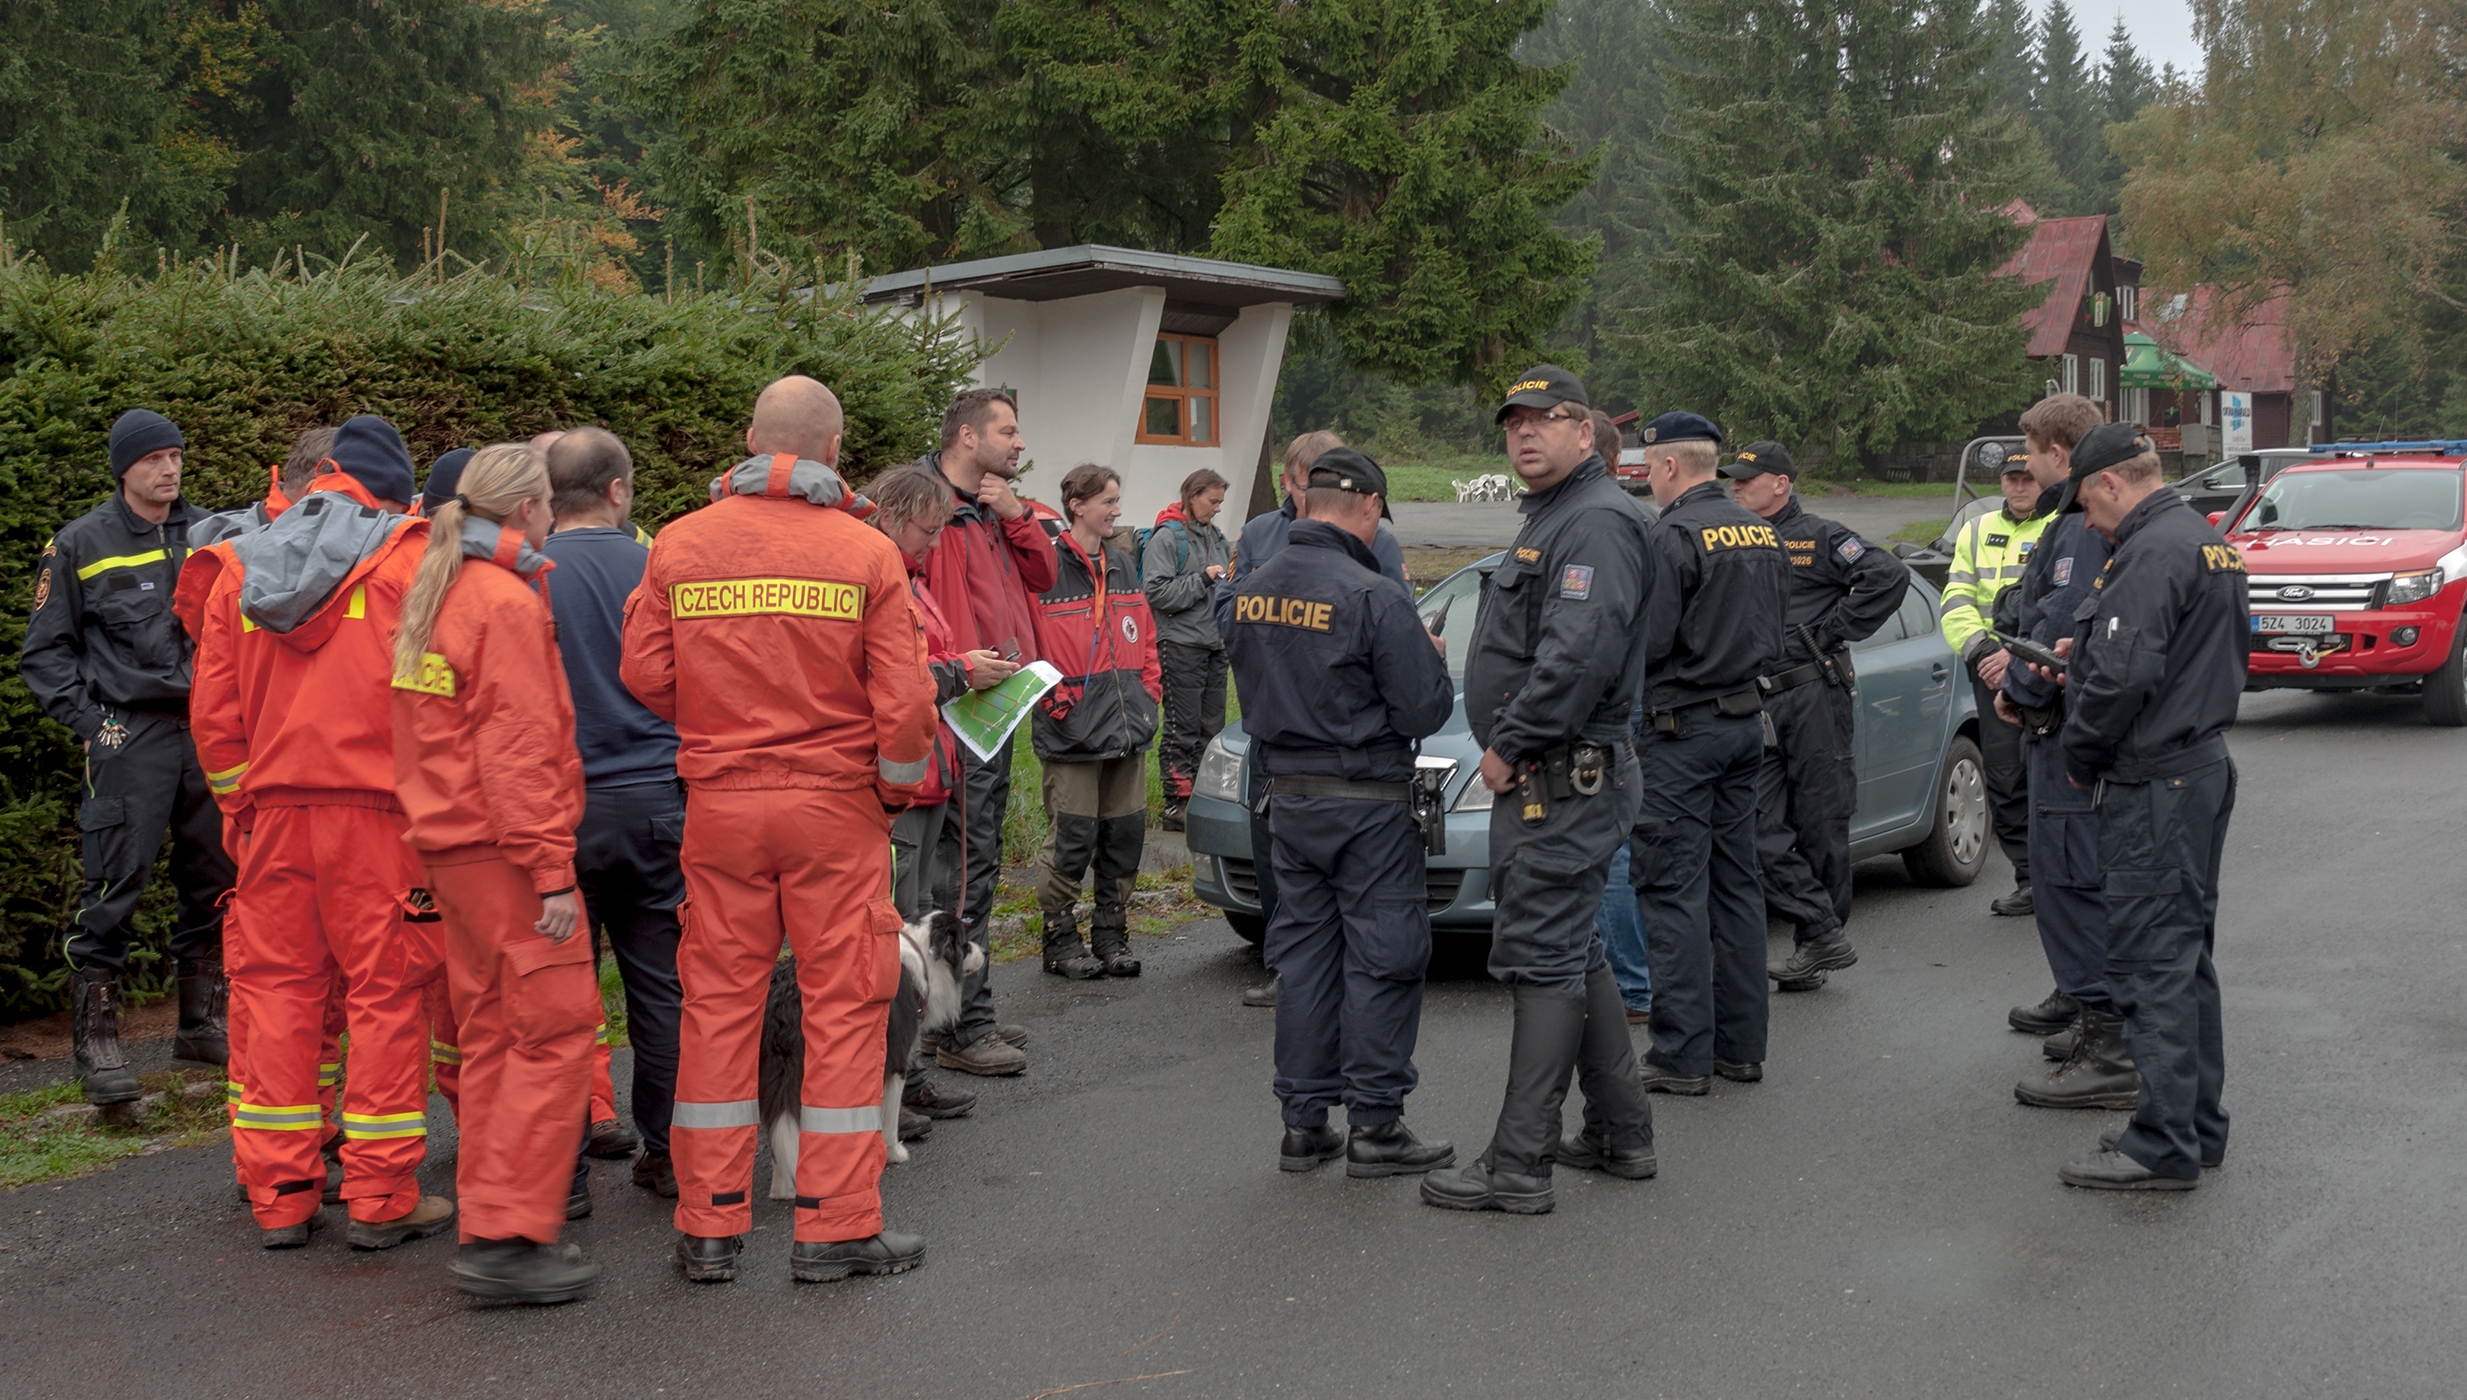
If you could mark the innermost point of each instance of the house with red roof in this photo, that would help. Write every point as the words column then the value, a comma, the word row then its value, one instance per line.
column 2077, row 332
column 2248, row 351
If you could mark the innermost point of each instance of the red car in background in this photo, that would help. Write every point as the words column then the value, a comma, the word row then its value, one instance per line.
column 2357, row 561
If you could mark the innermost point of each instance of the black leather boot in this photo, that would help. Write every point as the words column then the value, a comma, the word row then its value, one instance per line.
column 1804, row 970
column 1065, row 954
column 2053, row 1013
column 94, row 1037
column 205, row 998
column 1514, row 1175
column 1305, row 1148
column 816, row 1261
column 2098, row 1074
column 1391, row 1149
column 518, row 1271
column 1617, row 1112
column 2059, row 1047
column 708, row 1258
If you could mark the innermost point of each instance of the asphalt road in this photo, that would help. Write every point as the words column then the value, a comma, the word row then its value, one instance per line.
column 1877, row 1218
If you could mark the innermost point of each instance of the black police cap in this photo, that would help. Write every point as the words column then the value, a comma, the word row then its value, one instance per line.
column 1542, row 387
column 2107, row 445
column 1680, row 427
column 1758, row 458
column 1344, row 469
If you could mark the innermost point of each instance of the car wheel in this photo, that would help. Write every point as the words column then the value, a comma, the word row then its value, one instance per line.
column 1955, row 850
column 1254, row 929
column 2445, row 691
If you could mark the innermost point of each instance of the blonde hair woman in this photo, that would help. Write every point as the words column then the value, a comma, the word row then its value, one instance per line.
column 486, row 769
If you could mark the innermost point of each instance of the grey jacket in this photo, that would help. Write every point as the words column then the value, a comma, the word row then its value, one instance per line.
column 1174, row 573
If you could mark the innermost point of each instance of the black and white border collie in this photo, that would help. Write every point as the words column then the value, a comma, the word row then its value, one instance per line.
column 934, row 957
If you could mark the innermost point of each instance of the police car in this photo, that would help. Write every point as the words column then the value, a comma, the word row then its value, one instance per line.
column 2357, row 558
column 1922, row 791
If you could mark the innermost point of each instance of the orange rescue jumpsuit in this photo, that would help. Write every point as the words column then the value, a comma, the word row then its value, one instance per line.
column 295, row 731
column 485, row 761
column 778, row 636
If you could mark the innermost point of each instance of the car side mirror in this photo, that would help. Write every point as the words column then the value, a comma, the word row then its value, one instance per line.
column 2217, row 515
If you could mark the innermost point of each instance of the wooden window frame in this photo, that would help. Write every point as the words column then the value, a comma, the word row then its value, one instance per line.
column 1183, row 396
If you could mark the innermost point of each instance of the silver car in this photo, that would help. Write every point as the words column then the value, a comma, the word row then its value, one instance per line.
column 1922, row 792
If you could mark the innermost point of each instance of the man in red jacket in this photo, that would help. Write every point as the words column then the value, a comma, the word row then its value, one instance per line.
column 986, row 571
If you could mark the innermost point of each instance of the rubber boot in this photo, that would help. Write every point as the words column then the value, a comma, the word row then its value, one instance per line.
column 1513, row 1175
column 1618, row 1118
column 94, row 1037
column 205, row 1031
column 2098, row 1074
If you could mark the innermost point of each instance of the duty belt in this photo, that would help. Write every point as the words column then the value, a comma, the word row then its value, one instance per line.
column 1735, row 705
column 1791, row 679
column 1319, row 785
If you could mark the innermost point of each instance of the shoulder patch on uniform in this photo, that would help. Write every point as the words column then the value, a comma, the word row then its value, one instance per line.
column 1850, row 549
column 2218, row 559
column 42, row 586
column 2064, row 572
column 1528, row 556
column 51, row 548
column 1577, row 582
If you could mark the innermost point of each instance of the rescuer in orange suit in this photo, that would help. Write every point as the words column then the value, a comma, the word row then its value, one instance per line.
column 210, row 554
column 484, row 759
column 294, row 724
column 774, row 629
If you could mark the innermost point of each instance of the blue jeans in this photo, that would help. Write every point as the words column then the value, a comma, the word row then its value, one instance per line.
column 1622, row 926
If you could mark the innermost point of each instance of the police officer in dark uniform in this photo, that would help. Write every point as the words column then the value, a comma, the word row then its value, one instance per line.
column 1841, row 590
column 1712, row 628
column 1556, row 664
column 105, row 656
column 1339, row 680
column 2083, row 1030
column 2158, row 664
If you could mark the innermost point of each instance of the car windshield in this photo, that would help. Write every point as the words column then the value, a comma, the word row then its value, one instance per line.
column 2364, row 498
column 1448, row 611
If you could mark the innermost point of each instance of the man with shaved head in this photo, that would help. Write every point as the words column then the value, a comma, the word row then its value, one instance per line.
column 774, row 629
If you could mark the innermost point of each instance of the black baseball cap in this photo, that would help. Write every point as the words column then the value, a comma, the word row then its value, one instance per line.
column 2107, row 445
column 1541, row 387
column 1758, row 458
column 1680, row 427
column 1344, row 469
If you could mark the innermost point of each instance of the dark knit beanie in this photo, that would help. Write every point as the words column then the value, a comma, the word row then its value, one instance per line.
column 372, row 453
column 138, row 432
column 445, row 477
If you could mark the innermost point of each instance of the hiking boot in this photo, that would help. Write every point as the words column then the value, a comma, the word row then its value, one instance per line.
column 1669, row 1081
column 914, row 1126
column 2060, row 1045
column 518, row 1271
column 1305, row 1148
column 1016, row 1035
column 1480, row 1185
column 991, row 1056
column 1585, row 1154
column 1080, row 966
column 288, row 1236
column 820, row 1261
column 655, row 1173
column 1118, row 962
column 709, row 1259
column 2015, row 905
column 578, row 1205
column 1391, row 1149
column 2098, row 1074
column 205, row 998
column 1174, row 815
column 432, row 1214
column 2113, row 1171
column 1804, row 970
column 1740, row 1073
column 934, row 1101
column 94, row 1038
column 2055, row 1012
column 1640, row 1015
column 2109, row 1139
column 1264, row 994
column 612, row 1141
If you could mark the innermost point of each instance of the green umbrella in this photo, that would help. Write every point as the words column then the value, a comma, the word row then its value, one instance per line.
column 2148, row 366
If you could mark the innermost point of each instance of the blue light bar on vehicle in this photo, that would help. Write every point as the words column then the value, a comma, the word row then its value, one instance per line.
column 2450, row 447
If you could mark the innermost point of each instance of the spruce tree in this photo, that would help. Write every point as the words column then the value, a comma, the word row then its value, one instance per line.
column 2128, row 86
column 2013, row 64
column 2068, row 114
column 1840, row 181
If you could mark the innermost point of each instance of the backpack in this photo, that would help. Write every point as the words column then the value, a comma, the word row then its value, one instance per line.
column 1139, row 551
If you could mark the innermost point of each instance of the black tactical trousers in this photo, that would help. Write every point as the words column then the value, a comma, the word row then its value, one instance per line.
column 1194, row 681
column 2064, row 844
column 2160, row 844
column 1547, row 878
column 148, row 784
column 1694, row 864
column 989, row 800
column 1352, row 940
column 1806, row 790
column 2008, row 787
column 625, row 864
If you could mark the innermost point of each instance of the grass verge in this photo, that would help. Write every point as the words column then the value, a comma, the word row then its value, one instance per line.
column 1864, row 487
column 49, row 1134
column 1922, row 531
